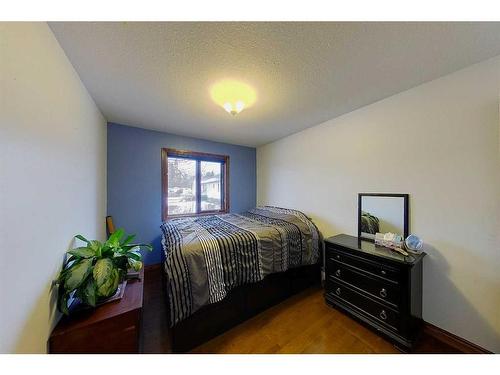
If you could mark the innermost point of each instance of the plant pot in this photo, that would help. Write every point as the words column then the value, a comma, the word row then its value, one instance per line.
column 76, row 304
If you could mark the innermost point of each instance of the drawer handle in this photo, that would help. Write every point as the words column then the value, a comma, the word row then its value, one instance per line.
column 337, row 257
column 337, row 273
column 383, row 315
column 383, row 272
column 337, row 291
column 383, row 293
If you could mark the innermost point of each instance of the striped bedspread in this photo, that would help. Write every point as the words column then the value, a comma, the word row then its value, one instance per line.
column 207, row 256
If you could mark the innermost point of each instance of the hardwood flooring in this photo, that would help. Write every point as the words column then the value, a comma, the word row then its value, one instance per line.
column 301, row 324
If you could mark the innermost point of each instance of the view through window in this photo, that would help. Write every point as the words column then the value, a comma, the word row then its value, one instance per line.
column 211, row 183
column 195, row 183
column 181, row 186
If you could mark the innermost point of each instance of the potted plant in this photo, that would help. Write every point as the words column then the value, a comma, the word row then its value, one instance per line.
column 93, row 272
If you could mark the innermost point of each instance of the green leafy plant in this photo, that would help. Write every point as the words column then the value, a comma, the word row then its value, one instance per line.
column 95, row 270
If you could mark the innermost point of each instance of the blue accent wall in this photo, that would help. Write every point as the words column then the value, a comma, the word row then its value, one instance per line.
column 134, row 179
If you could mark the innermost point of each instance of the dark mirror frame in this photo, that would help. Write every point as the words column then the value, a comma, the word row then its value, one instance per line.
column 406, row 198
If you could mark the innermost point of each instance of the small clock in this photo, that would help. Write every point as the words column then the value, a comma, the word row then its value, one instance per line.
column 414, row 243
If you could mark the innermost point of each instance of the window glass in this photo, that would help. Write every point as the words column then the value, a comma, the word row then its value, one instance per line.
column 211, row 186
column 193, row 183
column 181, row 186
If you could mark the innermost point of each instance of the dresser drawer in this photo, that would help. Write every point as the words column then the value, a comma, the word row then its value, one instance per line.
column 384, row 271
column 377, row 288
column 367, row 306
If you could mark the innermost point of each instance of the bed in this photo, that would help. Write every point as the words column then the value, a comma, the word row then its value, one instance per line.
column 223, row 269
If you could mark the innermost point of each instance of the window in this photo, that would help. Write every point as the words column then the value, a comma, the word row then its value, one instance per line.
column 194, row 183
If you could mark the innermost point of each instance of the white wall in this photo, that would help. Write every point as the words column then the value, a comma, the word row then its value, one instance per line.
column 439, row 142
column 52, row 178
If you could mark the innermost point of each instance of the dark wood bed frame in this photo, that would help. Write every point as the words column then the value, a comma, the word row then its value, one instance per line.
column 239, row 305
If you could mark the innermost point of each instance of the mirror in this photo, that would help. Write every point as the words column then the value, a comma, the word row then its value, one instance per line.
column 382, row 213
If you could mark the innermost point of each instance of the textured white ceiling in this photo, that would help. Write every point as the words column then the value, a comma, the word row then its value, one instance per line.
column 157, row 75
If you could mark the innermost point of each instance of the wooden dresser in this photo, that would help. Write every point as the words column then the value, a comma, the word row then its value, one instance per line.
column 110, row 328
column 376, row 285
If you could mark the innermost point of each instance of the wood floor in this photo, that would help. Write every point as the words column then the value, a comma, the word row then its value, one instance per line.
column 301, row 324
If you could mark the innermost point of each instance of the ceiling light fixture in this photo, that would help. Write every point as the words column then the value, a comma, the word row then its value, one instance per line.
column 232, row 95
